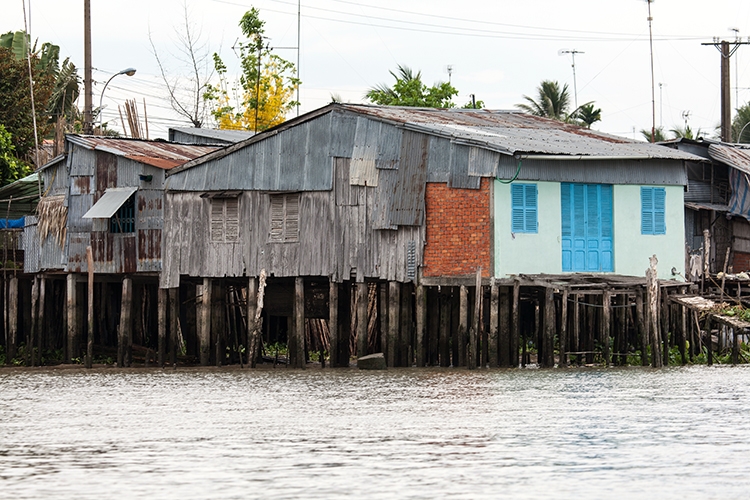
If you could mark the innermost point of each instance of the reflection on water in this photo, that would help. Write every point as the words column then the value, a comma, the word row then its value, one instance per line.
column 206, row 433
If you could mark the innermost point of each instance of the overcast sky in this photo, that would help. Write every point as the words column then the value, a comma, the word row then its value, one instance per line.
column 498, row 50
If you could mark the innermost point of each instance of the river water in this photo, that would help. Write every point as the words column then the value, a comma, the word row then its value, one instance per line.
column 402, row 433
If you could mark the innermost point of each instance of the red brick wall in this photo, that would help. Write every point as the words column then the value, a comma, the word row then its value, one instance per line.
column 741, row 262
column 458, row 238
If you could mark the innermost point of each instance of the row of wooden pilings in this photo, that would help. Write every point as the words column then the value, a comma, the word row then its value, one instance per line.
column 545, row 321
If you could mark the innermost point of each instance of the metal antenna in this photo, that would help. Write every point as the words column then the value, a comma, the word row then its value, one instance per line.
column 661, row 105
column 449, row 69
column 573, row 53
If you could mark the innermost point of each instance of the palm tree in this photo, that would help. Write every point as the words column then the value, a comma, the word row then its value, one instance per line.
column 658, row 134
column 385, row 95
column 587, row 114
column 685, row 132
column 551, row 102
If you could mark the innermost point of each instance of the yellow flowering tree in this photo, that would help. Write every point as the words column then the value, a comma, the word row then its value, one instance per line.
column 260, row 98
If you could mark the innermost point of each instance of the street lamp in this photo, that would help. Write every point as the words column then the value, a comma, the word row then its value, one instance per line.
column 126, row 71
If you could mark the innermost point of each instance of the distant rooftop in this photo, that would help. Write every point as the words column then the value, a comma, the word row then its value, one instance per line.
column 191, row 135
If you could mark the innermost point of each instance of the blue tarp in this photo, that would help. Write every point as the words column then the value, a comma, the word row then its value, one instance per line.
column 11, row 223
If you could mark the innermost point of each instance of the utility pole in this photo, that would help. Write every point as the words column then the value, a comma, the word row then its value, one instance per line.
column 573, row 54
column 88, row 122
column 653, row 90
column 726, row 92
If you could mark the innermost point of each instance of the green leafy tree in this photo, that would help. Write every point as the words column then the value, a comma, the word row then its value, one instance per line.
column 15, row 102
column 659, row 135
column 685, row 132
column 588, row 114
column 11, row 168
column 552, row 101
column 409, row 90
column 739, row 125
column 264, row 92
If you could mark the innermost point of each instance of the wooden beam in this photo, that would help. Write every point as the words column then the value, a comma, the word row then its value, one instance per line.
column 494, row 334
column 362, row 319
column 163, row 308
column 90, row 339
column 463, row 326
column 606, row 326
column 421, row 320
column 174, row 324
column 474, row 333
column 12, row 333
column 444, row 329
column 298, row 335
column 333, row 324
column 125, row 330
column 549, row 329
column 394, row 322
column 515, row 330
column 204, row 323
column 564, row 328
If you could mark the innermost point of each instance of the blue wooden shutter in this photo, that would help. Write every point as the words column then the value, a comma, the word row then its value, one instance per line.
column 523, row 208
column 653, row 210
column 587, row 235
column 660, row 225
column 607, row 236
column 567, row 226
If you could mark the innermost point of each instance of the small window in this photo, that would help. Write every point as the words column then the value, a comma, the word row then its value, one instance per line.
column 523, row 208
column 123, row 221
column 284, row 218
column 653, row 207
column 225, row 220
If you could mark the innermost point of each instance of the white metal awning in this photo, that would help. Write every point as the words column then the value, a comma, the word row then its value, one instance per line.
column 108, row 204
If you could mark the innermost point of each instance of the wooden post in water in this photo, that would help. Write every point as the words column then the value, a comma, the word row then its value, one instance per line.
column 218, row 321
column 71, row 310
column 394, row 321
column 474, row 332
column 11, row 335
column 253, row 334
column 405, row 333
column 642, row 329
column 494, row 337
column 125, row 331
column 298, row 337
column 665, row 321
column 515, row 330
column 606, row 324
column 709, row 340
column 653, row 312
column 548, row 331
column 421, row 321
column 41, row 323
column 31, row 342
column 162, row 308
column 504, row 335
column 174, row 324
column 90, row 339
column 333, row 323
column 444, row 329
column 463, row 326
column 204, row 331
column 706, row 257
column 575, row 332
column 564, row 328
column 383, row 317
column 683, row 333
column 362, row 303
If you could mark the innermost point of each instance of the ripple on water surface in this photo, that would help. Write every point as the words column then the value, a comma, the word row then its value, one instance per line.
column 203, row 433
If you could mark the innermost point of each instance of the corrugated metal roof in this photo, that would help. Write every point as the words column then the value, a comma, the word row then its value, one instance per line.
column 734, row 156
column 503, row 131
column 716, row 207
column 223, row 136
column 160, row 154
column 109, row 203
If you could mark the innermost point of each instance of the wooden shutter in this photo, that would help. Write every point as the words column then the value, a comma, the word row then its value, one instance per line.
column 647, row 210
column 291, row 218
column 277, row 218
column 567, row 226
column 660, row 200
column 231, row 219
column 217, row 221
column 523, row 208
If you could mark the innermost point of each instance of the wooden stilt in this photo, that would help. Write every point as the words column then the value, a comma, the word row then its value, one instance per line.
column 576, row 327
column 463, row 326
column 709, row 341
column 204, row 324
column 564, row 328
column 41, row 324
column 421, row 320
column 174, row 324
column 298, row 337
column 493, row 346
column 218, row 321
column 642, row 329
column 445, row 322
column 653, row 312
column 433, row 325
column 11, row 336
column 394, row 321
column 735, row 347
column 665, row 325
column 405, row 341
column 362, row 320
column 71, row 309
column 683, row 333
column 31, row 342
column 591, row 316
column 474, row 332
column 125, row 331
column 505, row 357
column 253, row 334
column 606, row 325
column 548, row 329
column 515, row 330
column 162, row 327
column 333, row 323
column 383, row 317
column 90, row 339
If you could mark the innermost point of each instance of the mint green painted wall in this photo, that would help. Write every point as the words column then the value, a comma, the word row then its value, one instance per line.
column 542, row 252
column 632, row 249
column 524, row 252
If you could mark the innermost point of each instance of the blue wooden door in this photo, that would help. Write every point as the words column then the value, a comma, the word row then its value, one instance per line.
column 587, row 239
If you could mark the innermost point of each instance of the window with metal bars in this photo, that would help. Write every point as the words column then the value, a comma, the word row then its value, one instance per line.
column 123, row 221
column 284, row 218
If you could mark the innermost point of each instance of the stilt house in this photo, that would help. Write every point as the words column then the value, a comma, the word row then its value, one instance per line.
column 404, row 209
column 102, row 203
